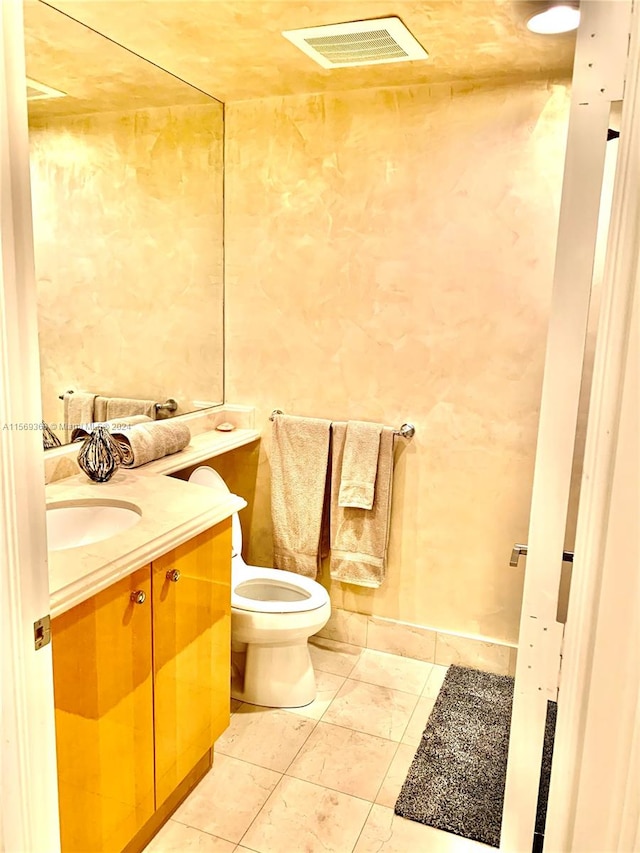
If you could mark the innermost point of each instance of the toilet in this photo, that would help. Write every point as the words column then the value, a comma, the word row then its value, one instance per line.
column 273, row 614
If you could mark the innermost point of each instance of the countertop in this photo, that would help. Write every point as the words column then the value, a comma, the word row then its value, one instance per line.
column 173, row 511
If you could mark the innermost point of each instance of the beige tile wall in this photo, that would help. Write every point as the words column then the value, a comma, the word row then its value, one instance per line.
column 389, row 257
column 127, row 211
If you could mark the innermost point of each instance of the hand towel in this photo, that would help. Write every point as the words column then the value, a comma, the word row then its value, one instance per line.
column 110, row 408
column 299, row 465
column 359, row 464
column 148, row 441
column 118, row 425
column 78, row 410
column 359, row 537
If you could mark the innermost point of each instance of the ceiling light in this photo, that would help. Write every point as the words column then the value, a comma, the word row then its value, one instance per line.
column 557, row 19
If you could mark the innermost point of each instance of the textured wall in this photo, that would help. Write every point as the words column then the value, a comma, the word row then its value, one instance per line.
column 127, row 212
column 389, row 257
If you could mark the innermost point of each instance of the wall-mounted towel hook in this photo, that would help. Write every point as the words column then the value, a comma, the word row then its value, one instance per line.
column 275, row 412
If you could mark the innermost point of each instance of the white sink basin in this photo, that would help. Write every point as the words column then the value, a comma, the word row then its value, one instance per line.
column 74, row 523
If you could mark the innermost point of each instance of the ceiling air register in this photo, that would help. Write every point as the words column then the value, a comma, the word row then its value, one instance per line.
column 358, row 43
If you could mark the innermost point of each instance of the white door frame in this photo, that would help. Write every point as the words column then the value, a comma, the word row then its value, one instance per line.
column 594, row 801
column 28, row 794
column 28, row 787
column 598, row 80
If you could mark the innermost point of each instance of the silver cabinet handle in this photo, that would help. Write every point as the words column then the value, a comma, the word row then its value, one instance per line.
column 173, row 575
column 518, row 550
column 139, row 596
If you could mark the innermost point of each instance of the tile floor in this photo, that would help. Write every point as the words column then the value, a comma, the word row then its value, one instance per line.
column 321, row 778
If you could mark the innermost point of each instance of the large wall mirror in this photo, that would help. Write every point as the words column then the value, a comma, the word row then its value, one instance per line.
column 127, row 181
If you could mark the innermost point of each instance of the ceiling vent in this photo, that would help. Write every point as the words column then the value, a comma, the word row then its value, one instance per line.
column 39, row 92
column 359, row 43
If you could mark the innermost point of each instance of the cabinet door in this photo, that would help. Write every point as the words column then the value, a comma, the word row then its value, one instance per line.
column 104, row 717
column 191, row 653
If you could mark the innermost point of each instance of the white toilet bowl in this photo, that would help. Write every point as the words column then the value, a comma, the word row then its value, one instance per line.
column 273, row 614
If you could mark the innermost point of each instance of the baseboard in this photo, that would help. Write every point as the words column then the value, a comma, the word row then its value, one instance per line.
column 422, row 643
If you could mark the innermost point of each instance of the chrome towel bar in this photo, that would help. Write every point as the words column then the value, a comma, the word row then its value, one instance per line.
column 169, row 405
column 405, row 431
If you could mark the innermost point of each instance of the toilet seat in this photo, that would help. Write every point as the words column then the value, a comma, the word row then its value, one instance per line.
column 261, row 590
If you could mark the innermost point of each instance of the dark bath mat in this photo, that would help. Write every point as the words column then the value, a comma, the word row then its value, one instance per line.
column 457, row 777
column 545, row 775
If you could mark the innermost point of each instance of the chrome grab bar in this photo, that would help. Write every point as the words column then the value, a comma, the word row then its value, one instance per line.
column 518, row 550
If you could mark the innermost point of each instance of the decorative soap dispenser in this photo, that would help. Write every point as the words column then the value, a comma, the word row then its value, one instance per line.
column 99, row 455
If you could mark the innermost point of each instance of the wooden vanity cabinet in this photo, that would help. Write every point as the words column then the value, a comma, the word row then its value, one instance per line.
column 191, row 655
column 103, row 685
column 141, row 684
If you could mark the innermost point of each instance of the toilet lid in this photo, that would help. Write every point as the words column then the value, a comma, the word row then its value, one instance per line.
column 206, row 476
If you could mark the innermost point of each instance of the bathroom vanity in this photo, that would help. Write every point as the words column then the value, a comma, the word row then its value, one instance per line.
column 141, row 655
column 141, row 682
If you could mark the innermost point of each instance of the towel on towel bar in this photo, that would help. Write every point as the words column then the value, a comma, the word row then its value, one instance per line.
column 359, row 537
column 145, row 442
column 299, row 463
column 110, row 408
column 359, row 464
column 78, row 410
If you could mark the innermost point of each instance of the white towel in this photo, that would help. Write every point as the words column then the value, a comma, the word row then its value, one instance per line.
column 299, row 463
column 110, row 408
column 359, row 464
column 359, row 537
column 145, row 442
column 78, row 409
